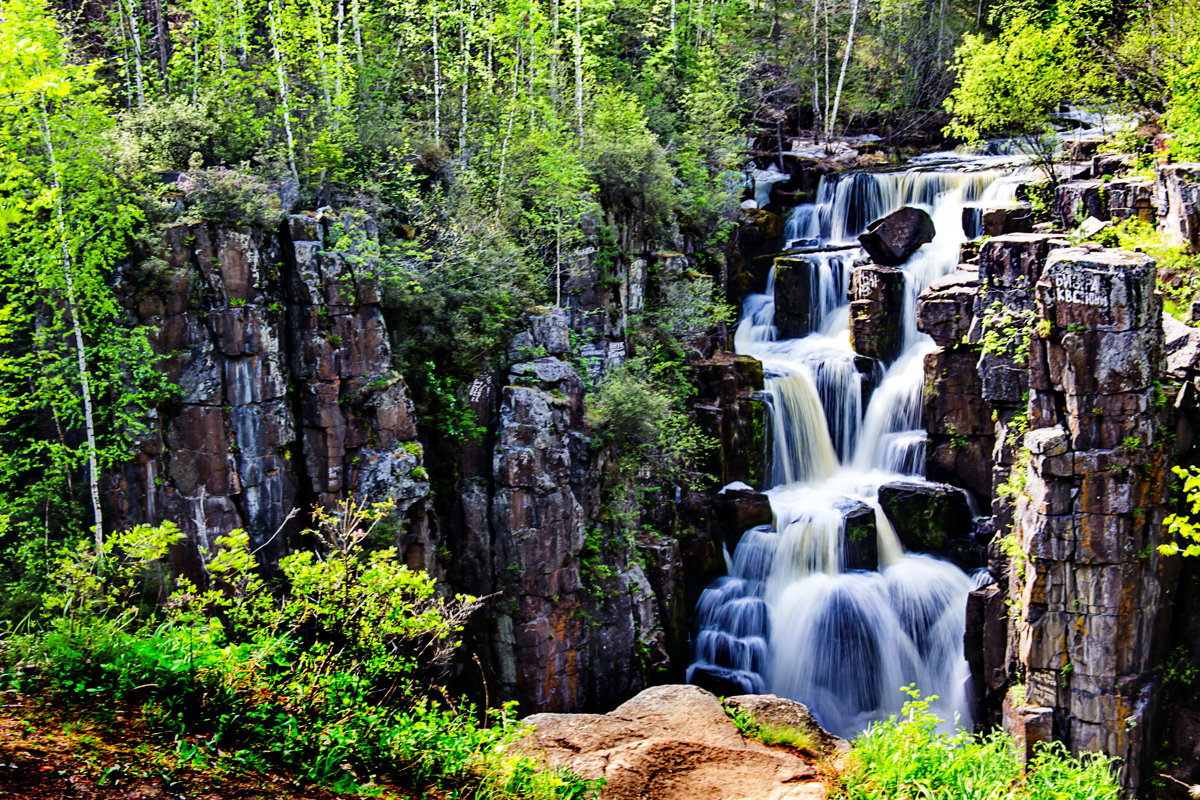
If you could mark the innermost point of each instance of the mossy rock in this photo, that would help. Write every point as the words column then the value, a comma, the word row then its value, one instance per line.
column 927, row 516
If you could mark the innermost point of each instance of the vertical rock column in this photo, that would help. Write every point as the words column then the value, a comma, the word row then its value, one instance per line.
column 286, row 393
column 354, row 413
column 1088, row 510
column 877, row 311
column 957, row 418
column 1009, row 267
column 569, row 618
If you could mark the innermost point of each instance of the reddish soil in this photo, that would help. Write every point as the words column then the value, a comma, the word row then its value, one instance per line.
column 49, row 753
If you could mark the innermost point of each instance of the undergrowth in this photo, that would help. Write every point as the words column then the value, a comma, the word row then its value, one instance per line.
column 906, row 757
column 333, row 679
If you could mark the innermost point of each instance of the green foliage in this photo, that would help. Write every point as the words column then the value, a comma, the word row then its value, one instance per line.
column 773, row 735
column 908, row 756
column 639, row 412
column 233, row 196
column 1012, row 85
column 329, row 679
column 75, row 379
column 1006, row 332
column 166, row 132
column 1179, row 272
column 1185, row 528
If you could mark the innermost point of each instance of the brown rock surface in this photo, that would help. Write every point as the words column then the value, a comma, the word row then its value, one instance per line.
column 672, row 743
column 876, row 311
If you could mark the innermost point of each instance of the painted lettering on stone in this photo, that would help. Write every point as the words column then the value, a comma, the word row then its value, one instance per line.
column 1084, row 288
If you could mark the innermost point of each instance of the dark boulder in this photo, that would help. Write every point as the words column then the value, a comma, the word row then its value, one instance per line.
column 890, row 240
column 860, row 540
column 928, row 517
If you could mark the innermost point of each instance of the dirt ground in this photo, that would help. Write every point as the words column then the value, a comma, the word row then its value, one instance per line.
column 47, row 753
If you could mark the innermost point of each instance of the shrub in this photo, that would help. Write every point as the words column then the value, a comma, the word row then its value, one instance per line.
column 333, row 679
column 166, row 132
column 234, row 196
column 909, row 756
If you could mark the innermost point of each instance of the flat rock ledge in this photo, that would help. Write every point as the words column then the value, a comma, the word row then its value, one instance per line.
column 678, row 743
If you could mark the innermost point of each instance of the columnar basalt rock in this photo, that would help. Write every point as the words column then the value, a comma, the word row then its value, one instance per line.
column 998, row 220
column 794, row 285
column 730, row 409
column 958, row 420
column 1130, row 198
column 1091, row 583
column 877, row 311
column 1178, row 205
column 286, row 391
column 1004, row 317
column 1075, row 201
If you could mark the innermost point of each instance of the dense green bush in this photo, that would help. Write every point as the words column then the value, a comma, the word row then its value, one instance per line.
column 909, row 757
column 236, row 196
column 332, row 679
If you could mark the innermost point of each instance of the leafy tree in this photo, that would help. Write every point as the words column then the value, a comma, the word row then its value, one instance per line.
column 75, row 382
column 1013, row 85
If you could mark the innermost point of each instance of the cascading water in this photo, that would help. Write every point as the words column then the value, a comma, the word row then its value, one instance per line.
column 789, row 618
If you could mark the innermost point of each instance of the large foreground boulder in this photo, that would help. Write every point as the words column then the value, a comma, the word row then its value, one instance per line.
column 891, row 239
column 677, row 743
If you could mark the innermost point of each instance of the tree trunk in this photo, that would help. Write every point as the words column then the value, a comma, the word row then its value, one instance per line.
column 273, row 32
column 85, row 385
column 837, row 98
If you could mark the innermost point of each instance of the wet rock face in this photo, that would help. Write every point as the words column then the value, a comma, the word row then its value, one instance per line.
column 678, row 742
column 998, row 221
column 877, row 311
column 730, row 409
column 932, row 518
column 892, row 239
column 286, row 391
column 793, row 297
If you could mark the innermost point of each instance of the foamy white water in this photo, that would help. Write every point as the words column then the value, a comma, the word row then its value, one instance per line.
column 790, row 618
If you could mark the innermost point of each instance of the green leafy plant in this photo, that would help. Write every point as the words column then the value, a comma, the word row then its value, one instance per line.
column 910, row 756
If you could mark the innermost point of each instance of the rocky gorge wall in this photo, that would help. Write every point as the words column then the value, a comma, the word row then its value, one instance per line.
column 280, row 348
column 1055, row 394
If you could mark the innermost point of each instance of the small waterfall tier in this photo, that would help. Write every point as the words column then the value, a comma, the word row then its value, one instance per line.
column 825, row 606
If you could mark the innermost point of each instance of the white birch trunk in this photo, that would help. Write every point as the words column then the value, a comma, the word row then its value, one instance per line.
column 85, row 385
column 831, row 121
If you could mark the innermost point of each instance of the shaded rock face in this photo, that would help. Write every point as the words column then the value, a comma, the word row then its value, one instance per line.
column 678, row 742
column 1075, row 201
column 958, row 420
column 1132, row 199
column 876, row 311
column 998, row 221
column 793, row 297
column 286, row 393
column 1178, row 205
column 730, row 409
column 932, row 518
column 890, row 240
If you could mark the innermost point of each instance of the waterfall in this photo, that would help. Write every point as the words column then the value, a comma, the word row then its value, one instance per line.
column 791, row 618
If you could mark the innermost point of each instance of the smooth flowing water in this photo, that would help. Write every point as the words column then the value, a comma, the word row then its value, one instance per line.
column 789, row 618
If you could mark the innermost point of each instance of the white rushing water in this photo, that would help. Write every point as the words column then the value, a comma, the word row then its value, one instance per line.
column 790, row 618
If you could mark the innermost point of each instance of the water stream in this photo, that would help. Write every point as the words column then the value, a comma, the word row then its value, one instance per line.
column 790, row 618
